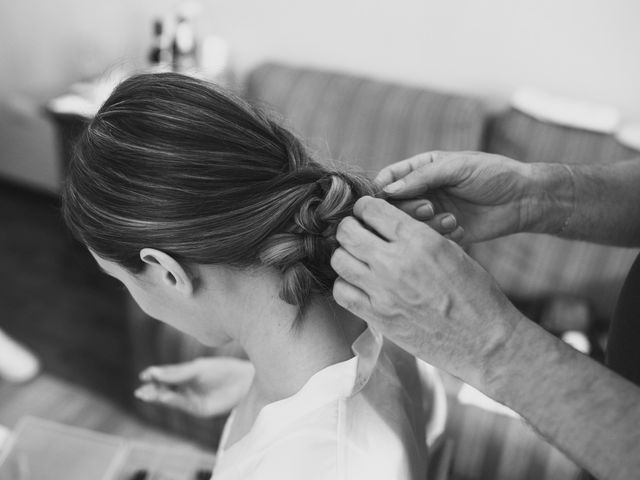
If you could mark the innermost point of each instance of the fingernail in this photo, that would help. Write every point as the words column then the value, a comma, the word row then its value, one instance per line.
column 394, row 187
column 146, row 375
column 448, row 222
column 424, row 212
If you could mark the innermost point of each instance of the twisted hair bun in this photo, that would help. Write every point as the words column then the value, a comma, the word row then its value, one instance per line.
column 303, row 252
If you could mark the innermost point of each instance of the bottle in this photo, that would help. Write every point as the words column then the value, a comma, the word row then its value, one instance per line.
column 155, row 52
column 184, row 47
column 160, row 53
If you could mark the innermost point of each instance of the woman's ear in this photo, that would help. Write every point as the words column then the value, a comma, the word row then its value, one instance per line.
column 167, row 270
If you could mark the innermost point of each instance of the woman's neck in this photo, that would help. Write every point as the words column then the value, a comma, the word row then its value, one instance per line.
column 285, row 355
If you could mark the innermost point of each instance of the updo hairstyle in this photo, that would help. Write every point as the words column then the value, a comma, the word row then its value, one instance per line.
column 175, row 163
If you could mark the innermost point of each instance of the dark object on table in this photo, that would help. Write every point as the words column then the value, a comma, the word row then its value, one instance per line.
column 623, row 352
column 203, row 474
column 140, row 475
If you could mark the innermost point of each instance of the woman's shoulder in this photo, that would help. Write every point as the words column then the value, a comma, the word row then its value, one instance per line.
column 359, row 436
column 316, row 454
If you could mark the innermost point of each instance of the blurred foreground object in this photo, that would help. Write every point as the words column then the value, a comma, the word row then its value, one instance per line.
column 17, row 364
column 4, row 436
column 53, row 450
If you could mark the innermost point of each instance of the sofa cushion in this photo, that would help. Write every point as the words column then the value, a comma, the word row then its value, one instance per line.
column 528, row 265
column 366, row 122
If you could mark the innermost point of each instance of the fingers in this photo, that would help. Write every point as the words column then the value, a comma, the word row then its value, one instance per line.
column 423, row 179
column 423, row 210
column 401, row 169
column 153, row 393
column 352, row 298
column 378, row 214
column 147, row 392
column 349, row 268
column 419, row 209
column 443, row 223
column 357, row 239
column 385, row 219
column 150, row 392
column 170, row 374
column 447, row 170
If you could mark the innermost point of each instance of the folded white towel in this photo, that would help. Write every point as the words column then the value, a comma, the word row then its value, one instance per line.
column 86, row 98
column 74, row 105
column 566, row 111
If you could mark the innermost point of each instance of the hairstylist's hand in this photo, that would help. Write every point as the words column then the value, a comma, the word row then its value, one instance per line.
column 489, row 195
column 203, row 387
column 421, row 291
column 444, row 223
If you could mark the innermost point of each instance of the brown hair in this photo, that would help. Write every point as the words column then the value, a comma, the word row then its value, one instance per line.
column 175, row 163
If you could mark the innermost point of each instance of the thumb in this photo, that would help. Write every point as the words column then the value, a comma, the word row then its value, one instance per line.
column 171, row 374
column 429, row 176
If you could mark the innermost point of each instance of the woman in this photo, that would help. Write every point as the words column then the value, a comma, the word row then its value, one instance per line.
column 218, row 223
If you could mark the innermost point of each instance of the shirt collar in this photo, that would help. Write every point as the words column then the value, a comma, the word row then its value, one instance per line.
column 340, row 380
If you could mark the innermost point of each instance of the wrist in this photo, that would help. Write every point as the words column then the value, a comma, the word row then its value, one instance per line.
column 517, row 369
column 549, row 202
column 507, row 361
column 496, row 361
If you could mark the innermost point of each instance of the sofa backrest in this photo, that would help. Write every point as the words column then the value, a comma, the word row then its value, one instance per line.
column 528, row 265
column 520, row 136
column 364, row 122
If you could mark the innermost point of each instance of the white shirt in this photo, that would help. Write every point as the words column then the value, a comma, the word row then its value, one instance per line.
column 370, row 417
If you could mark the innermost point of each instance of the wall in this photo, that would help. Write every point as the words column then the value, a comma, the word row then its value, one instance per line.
column 585, row 48
column 46, row 45
column 582, row 48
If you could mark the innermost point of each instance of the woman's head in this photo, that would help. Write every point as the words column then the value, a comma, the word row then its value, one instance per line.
column 174, row 164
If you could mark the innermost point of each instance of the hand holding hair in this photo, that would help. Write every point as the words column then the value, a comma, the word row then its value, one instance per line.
column 424, row 293
column 204, row 387
column 420, row 290
column 445, row 223
column 489, row 195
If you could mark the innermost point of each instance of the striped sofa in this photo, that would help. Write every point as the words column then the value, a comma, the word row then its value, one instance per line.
column 368, row 124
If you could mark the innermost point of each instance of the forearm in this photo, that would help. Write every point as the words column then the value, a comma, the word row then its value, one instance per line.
column 596, row 203
column 587, row 411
